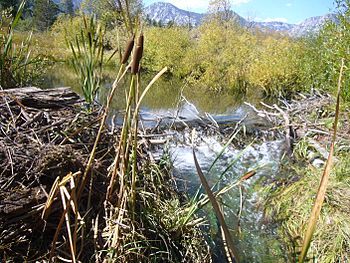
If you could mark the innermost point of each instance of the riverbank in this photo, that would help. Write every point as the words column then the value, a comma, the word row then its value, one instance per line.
column 308, row 125
column 46, row 139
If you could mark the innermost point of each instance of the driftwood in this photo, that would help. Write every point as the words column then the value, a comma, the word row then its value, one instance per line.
column 303, row 117
column 39, row 99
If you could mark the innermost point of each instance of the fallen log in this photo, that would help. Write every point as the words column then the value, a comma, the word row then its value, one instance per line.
column 38, row 98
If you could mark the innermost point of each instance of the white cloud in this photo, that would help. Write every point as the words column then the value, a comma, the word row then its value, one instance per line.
column 277, row 19
column 238, row 2
column 289, row 4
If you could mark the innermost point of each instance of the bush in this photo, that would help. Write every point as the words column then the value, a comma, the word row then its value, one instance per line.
column 220, row 59
column 166, row 47
column 227, row 56
column 277, row 69
column 323, row 57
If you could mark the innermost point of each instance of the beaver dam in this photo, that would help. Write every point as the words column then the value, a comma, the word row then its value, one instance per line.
column 67, row 198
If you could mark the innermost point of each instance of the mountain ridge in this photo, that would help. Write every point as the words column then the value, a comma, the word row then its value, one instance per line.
column 166, row 12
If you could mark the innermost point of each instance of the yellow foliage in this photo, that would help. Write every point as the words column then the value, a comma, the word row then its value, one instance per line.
column 226, row 56
column 277, row 67
column 166, row 47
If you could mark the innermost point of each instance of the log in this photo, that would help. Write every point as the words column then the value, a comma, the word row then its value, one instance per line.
column 42, row 98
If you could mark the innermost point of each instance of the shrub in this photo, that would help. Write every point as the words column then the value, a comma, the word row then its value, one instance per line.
column 321, row 63
column 220, row 59
column 277, row 68
column 226, row 56
column 166, row 47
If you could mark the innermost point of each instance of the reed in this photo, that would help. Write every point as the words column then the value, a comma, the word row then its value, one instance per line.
column 231, row 252
column 128, row 50
column 135, row 65
column 140, row 207
column 88, row 57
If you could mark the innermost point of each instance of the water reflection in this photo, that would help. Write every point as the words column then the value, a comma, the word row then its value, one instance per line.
column 165, row 93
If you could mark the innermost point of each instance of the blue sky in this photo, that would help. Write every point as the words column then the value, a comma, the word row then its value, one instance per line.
column 290, row 11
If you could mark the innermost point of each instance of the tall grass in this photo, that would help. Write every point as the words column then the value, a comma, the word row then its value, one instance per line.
column 88, row 59
column 18, row 65
column 324, row 180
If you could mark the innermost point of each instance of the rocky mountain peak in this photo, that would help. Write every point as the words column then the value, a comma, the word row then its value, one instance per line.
column 165, row 13
column 168, row 13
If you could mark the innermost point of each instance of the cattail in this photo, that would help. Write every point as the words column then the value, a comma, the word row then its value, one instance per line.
column 135, row 66
column 128, row 50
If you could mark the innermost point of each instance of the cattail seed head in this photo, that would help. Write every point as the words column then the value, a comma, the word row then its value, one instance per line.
column 128, row 50
column 135, row 65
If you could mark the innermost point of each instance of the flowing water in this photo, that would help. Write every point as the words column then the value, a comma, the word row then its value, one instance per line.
column 258, row 241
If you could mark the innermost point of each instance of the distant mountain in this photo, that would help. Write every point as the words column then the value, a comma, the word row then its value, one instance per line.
column 166, row 13
column 312, row 25
column 274, row 25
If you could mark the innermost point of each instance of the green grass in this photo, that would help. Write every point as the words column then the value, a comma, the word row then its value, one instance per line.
column 20, row 63
column 290, row 206
column 87, row 57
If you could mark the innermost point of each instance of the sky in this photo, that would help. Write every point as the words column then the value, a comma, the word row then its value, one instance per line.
column 289, row 11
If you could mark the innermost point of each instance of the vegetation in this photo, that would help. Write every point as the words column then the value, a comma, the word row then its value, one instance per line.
column 291, row 205
column 321, row 62
column 120, row 202
column 167, row 47
column 143, row 218
column 19, row 64
column 87, row 60
column 216, row 57
column 318, row 233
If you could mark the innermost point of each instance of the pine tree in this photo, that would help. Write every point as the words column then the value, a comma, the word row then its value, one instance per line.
column 44, row 14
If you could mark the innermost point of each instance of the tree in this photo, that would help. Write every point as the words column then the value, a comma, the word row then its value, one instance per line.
column 44, row 14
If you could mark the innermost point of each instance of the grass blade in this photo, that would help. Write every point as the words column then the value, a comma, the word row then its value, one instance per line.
column 18, row 14
column 316, row 210
column 217, row 210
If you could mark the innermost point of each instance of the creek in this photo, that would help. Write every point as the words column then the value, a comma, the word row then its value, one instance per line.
column 163, row 107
